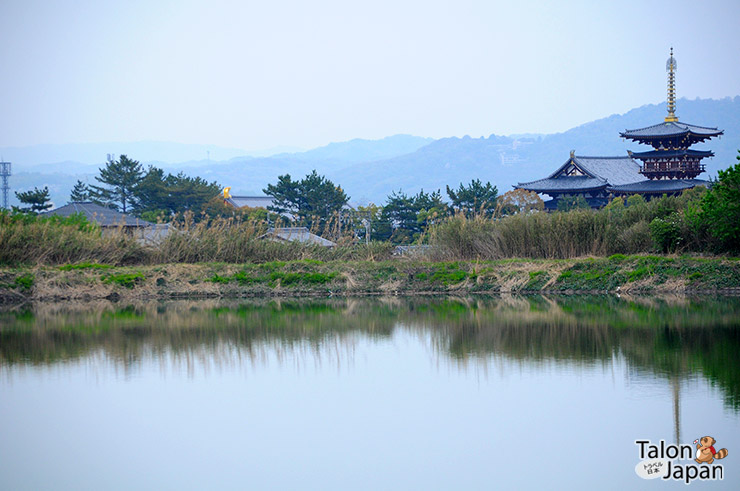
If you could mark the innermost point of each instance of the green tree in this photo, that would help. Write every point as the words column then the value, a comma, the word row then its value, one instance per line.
column 160, row 195
column 119, row 178
column 720, row 209
column 474, row 198
column 37, row 200
column 312, row 201
column 404, row 218
column 572, row 202
column 80, row 193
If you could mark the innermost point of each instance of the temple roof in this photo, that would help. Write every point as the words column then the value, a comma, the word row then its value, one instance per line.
column 597, row 172
column 658, row 186
column 672, row 153
column 671, row 129
column 564, row 184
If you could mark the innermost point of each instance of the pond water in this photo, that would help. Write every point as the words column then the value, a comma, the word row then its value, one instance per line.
column 391, row 393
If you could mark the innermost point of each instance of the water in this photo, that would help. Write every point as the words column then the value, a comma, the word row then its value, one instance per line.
column 391, row 393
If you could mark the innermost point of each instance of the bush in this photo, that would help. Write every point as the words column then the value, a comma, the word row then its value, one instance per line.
column 720, row 209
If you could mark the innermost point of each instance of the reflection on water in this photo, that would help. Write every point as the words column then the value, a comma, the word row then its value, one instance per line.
column 401, row 393
column 673, row 338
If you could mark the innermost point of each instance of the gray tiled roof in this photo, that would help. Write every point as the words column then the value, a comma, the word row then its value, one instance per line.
column 250, row 201
column 600, row 172
column 564, row 184
column 297, row 234
column 614, row 170
column 672, row 153
column 672, row 128
column 105, row 217
column 658, row 186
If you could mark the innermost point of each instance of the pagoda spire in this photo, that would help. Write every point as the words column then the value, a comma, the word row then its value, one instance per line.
column 670, row 67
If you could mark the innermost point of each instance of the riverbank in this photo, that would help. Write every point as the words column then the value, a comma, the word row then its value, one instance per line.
column 615, row 274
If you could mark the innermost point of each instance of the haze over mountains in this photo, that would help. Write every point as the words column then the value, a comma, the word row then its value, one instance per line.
column 369, row 170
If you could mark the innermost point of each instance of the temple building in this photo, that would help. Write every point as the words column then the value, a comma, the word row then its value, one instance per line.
column 669, row 168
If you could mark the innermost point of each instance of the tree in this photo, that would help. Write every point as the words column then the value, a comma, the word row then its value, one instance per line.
column 518, row 201
column 38, row 200
column 570, row 202
column 119, row 179
column 404, row 218
column 162, row 195
column 80, row 193
column 474, row 198
column 312, row 201
column 720, row 208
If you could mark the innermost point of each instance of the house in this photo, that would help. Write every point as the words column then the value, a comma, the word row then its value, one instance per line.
column 296, row 234
column 111, row 221
column 247, row 201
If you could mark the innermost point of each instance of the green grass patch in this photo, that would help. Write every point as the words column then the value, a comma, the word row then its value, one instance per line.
column 24, row 282
column 127, row 280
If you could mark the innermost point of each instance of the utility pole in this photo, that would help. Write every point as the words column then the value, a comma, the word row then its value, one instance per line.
column 5, row 173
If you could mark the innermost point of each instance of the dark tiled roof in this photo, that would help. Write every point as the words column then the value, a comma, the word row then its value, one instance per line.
column 658, row 186
column 672, row 153
column 600, row 173
column 564, row 184
column 673, row 128
column 250, row 201
column 105, row 217
column 614, row 170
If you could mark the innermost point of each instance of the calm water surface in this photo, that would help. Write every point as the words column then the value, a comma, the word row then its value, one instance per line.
column 519, row 393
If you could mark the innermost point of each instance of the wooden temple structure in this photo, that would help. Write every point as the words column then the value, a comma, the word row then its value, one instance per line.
column 669, row 168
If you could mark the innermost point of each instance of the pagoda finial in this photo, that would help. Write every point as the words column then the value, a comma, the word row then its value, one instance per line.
column 670, row 67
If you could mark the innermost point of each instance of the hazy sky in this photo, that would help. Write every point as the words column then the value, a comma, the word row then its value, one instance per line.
column 254, row 75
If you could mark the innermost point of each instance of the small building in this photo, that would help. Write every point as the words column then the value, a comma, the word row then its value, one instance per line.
column 111, row 220
column 296, row 234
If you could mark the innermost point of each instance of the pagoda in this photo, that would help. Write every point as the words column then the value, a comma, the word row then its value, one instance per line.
column 671, row 158
column 670, row 168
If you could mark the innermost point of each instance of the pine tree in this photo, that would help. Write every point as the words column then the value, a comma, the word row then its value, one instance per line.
column 38, row 200
column 120, row 179
column 474, row 198
column 312, row 200
column 80, row 193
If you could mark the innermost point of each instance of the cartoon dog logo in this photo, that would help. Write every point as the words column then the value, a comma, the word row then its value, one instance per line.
column 705, row 453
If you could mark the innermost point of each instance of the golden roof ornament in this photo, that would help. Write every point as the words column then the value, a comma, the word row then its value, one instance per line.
column 670, row 66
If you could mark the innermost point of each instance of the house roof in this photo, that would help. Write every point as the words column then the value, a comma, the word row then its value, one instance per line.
column 658, row 186
column 597, row 172
column 672, row 129
column 297, row 234
column 250, row 201
column 105, row 217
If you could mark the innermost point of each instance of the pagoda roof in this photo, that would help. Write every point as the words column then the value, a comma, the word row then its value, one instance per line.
column 672, row 153
column 671, row 129
column 595, row 173
column 658, row 186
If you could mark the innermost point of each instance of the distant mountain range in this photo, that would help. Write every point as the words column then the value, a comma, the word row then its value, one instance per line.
column 369, row 170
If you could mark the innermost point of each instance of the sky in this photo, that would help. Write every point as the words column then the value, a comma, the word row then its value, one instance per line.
column 255, row 75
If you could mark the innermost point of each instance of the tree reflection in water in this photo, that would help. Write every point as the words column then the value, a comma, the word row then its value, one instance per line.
column 675, row 338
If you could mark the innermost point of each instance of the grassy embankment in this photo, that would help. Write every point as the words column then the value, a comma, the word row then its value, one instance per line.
column 44, row 258
column 618, row 273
